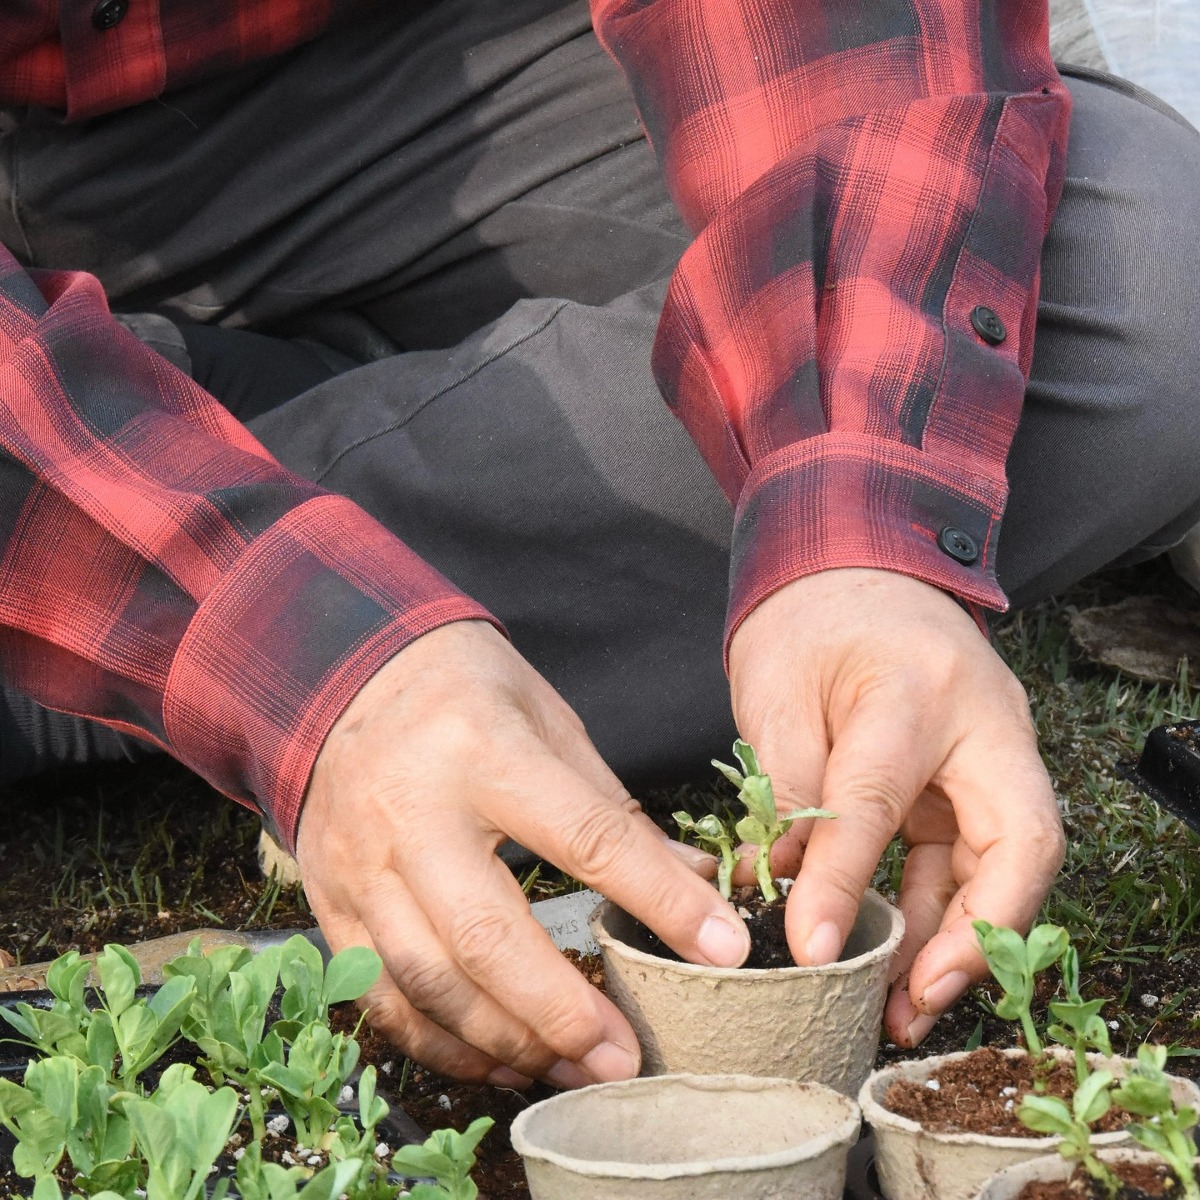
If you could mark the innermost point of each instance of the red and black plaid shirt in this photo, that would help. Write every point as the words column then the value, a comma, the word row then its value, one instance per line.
column 869, row 182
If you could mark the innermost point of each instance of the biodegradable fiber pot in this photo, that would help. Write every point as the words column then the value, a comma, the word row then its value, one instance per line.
column 819, row 1024
column 689, row 1137
column 914, row 1163
column 1007, row 1184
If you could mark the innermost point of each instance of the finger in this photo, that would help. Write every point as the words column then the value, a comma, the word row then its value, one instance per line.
column 875, row 771
column 390, row 1014
column 927, row 887
column 1012, row 847
column 483, row 923
column 614, row 849
column 574, row 747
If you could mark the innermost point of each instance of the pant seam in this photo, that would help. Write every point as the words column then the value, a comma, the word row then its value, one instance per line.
column 463, row 377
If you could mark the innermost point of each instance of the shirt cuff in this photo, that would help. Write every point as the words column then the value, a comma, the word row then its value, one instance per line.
column 850, row 500
column 314, row 606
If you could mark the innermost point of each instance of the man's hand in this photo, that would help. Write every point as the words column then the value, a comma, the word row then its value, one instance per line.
column 453, row 746
column 874, row 695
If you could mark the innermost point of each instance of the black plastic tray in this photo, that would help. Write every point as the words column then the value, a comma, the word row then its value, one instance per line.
column 1169, row 770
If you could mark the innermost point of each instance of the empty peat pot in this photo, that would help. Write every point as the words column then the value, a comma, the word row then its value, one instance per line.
column 689, row 1137
column 915, row 1163
column 1008, row 1184
column 818, row 1024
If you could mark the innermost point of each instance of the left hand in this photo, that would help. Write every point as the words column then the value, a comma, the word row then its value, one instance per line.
column 874, row 694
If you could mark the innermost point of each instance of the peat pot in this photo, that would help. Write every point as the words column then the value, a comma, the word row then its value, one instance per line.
column 689, row 1137
column 817, row 1024
column 914, row 1163
column 1007, row 1184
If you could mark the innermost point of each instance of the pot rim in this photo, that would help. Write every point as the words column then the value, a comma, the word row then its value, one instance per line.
column 842, row 1131
column 1055, row 1168
column 848, row 966
column 877, row 1116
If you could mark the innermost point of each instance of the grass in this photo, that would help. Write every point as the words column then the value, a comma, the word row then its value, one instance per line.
column 141, row 850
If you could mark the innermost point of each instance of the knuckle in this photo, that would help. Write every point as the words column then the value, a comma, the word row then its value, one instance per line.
column 427, row 983
column 599, row 842
column 877, row 802
column 478, row 937
column 1047, row 843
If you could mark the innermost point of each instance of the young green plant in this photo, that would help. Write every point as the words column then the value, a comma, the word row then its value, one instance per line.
column 712, row 834
column 1078, row 1023
column 1146, row 1092
column 1015, row 962
column 448, row 1158
column 1050, row 1115
column 762, row 826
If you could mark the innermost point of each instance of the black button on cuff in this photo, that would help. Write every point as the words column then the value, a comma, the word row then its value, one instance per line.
column 108, row 13
column 959, row 544
column 989, row 326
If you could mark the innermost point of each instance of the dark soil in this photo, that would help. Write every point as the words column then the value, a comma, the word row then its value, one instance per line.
column 125, row 853
column 981, row 1093
column 768, row 937
column 1139, row 1182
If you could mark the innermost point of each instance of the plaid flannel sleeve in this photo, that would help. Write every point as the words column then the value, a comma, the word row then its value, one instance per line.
column 161, row 573
column 849, row 336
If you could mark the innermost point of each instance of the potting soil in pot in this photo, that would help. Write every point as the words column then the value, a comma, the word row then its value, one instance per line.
column 768, row 936
column 1140, row 1182
column 981, row 1092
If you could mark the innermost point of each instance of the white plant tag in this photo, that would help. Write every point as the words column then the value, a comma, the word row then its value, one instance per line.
column 565, row 919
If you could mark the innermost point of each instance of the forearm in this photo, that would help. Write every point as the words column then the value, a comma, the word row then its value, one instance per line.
column 862, row 178
column 163, row 574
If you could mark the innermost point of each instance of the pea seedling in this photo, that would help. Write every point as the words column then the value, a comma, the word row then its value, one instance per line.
column 1146, row 1092
column 1079, row 1024
column 1047, row 1114
column 446, row 1156
column 761, row 826
column 1014, row 962
column 711, row 833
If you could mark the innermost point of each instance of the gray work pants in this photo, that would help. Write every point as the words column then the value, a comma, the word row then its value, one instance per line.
column 457, row 196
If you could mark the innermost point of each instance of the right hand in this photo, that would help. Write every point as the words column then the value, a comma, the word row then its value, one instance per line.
column 453, row 746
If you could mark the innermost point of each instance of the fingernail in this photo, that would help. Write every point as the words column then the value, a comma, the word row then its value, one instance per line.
column 824, row 945
column 722, row 942
column 565, row 1074
column 609, row 1062
column 506, row 1077
column 918, row 1027
column 943, row 992
column 692, row 856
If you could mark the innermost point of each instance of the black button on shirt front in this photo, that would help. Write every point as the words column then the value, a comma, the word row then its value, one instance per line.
column 959, row 544
column 108, row 13
column 988, row 325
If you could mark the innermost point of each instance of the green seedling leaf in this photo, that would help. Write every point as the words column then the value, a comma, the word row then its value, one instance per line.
column 66, row 979
column 731, row 773
column 1045, row 1114
column 1046, row 944
column 350, row 973
column 1004, row 950
column 371, row 1108
column 120, row 977
column 751, row 829
column 1093, row 1097
column 301, row 972
column 758, row 796
column 747, row 756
